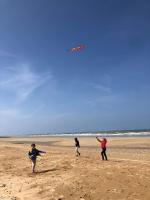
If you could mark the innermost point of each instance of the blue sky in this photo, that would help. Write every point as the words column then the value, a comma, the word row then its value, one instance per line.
column 44, row 88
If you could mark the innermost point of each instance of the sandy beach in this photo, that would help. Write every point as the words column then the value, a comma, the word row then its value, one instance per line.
column 61, row 175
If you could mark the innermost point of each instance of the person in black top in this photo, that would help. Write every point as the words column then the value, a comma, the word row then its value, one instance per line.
column 77, row 145
column 33, row 155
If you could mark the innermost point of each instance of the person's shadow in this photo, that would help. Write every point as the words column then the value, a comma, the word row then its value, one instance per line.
column 46, row 170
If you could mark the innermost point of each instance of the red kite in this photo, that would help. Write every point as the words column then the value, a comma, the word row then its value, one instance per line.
column 77, row 48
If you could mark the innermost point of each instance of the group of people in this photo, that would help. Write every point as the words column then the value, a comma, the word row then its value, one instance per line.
column 34, row 152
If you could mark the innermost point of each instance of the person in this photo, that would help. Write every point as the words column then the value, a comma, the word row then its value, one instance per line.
column 33, row 155
column 103, row 143
column 77, row 145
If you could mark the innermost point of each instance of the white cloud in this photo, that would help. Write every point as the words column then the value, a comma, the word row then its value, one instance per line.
column 103, row 84
column 21, row 80
column 103, row 88
column 17, row 84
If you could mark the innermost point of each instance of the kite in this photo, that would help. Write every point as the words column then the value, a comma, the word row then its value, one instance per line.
column 77, row 48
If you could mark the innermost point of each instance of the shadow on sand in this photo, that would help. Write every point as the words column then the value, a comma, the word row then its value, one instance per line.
column 46, row 170
column 116, row 161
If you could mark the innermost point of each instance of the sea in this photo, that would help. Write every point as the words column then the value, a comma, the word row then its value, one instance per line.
column 114, row 133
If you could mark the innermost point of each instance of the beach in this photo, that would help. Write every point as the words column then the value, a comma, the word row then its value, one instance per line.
column 60, row 175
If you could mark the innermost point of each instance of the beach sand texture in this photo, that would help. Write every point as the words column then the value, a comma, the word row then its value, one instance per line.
column 63, row 176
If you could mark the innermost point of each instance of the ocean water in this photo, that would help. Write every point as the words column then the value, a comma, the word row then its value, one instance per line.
column 122, row 133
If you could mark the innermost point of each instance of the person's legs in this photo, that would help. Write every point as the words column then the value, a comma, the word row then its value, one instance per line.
column 104, row 153
column 77, row 151
column 33, row 165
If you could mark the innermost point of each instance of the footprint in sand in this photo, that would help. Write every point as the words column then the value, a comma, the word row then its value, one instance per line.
column 61, row 197
column 2, row 185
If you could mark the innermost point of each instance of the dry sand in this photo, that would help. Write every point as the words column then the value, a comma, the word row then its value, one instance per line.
column 63, row 176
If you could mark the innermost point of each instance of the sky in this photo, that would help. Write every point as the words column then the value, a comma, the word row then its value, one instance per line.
column 46, row 89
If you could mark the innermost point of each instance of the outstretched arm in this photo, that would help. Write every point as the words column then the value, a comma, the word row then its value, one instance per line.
column 42, row 151
column 98, row 139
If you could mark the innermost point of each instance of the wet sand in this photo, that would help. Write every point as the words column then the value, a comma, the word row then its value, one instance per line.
column 61, row 175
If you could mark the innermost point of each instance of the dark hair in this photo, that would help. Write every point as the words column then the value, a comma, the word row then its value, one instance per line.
column 32, row 145
column 76, row 139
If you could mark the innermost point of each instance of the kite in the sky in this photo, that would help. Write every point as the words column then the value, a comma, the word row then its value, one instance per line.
column 77, row 48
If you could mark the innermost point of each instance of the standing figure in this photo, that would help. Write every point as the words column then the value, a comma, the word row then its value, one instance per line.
column 77, row 145
column 103, row 147
column 33, row 155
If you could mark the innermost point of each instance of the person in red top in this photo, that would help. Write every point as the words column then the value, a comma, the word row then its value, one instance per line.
column 103, row 146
